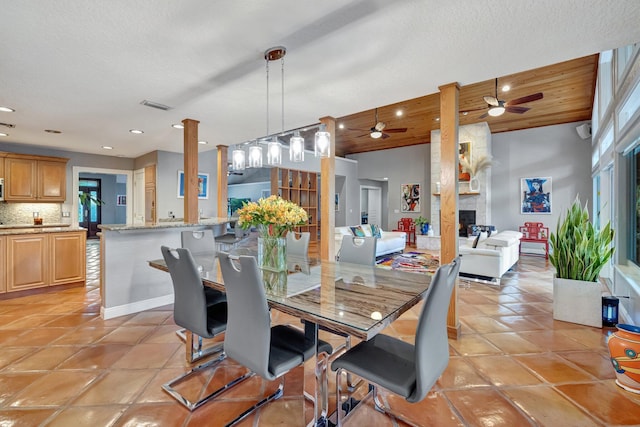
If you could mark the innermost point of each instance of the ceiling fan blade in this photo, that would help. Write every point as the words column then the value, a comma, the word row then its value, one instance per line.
column 491, row 100
column 396, row 130
column 525, row 99
column 483, row 116
column 518, row 110
column 358, row 130
column 385, row 136
column 366, row 134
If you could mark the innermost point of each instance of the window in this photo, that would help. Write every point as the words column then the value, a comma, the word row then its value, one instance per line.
column 605, row 81
column 634, row 217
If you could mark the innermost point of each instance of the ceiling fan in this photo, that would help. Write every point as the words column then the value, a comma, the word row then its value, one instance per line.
column 497, row 107
column 377, row 130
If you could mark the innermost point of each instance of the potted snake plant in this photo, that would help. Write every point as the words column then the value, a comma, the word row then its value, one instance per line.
column 579, row 252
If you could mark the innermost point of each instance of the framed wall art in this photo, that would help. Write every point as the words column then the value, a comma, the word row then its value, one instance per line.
column 410, row 198
column 203, row 185
column 535, row 195
column 465, row 161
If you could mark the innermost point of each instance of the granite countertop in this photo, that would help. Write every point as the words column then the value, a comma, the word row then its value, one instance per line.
column 39, row 230
column 47, row 225
column 165, row 224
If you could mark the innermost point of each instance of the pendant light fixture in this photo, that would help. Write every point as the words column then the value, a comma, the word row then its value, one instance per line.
column 274, row 148
column 238, row 157
column 322, row 142
column 296, row 148
column 255, row 156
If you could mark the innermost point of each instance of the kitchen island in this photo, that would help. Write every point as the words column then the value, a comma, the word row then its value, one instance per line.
column 41, row 258
column 128, row 285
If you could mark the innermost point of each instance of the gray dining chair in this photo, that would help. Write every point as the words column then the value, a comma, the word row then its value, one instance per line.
column 405, row 369
column 298, row 243
column 250, row 340
column 198, row 315
column 358, row 250
column 230, row 240
column 199, row 241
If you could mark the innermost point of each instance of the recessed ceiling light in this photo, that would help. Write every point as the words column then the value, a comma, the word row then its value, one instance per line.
column 341, row 126
column 7, row 109
column 399, row 113
column 4, row 134
column 177, row 126
column 437, row 119
column 52, row 131
column 107, row 147
column 203, row 142
column 464, row 113
column 386, row 178
column 506, row 88
column 136, row 131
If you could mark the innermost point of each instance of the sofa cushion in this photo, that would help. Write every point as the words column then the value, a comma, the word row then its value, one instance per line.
column 482, row 236
column 503, row 239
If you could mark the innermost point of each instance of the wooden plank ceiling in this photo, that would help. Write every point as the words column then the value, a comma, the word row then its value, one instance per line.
column 568, row 90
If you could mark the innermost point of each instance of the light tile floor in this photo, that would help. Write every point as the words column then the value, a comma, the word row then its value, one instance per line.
column 62, row 365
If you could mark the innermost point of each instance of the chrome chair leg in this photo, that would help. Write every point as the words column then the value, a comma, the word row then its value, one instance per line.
column 169, row 387
column 194, row 350
column 275, row 395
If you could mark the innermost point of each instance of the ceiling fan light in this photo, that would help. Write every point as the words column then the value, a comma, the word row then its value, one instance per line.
column 496, row 111
column 274, row 152
column 255, row 156
column 375, row 134
column 322, row 142
column 296, row 148
column 238, row 157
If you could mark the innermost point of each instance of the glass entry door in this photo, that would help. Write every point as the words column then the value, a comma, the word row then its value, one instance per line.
column 89, row 211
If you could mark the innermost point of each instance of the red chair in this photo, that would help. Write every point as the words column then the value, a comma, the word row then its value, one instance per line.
column 535, row 232
column 408, row 226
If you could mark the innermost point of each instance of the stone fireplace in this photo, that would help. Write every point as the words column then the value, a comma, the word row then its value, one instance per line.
column 479, row 135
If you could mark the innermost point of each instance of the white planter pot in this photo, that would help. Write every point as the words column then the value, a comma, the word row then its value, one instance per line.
column 577, row 301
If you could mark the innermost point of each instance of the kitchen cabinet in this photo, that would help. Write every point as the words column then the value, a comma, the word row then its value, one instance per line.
column 40, row 260
column 3, row 269
column 35, row 178
column 27, row 262
column 67, row 257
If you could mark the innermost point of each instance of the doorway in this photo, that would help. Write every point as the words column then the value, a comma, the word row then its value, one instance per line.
column 370, row 204
column 89, row 205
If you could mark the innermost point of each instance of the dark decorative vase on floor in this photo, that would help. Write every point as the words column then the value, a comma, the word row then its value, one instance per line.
column 624, row 348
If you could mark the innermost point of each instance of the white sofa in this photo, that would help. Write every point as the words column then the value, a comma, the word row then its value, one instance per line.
column 492, row 257
column 389, row 242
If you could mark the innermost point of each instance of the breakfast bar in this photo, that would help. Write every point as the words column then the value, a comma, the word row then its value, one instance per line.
column 128, row 285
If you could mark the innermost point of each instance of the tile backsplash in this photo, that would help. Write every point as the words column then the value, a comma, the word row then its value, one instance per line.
column 22, row 213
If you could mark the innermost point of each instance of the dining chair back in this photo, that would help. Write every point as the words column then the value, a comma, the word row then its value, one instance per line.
column 199, row 241
column 298, row 243
column 358, row 250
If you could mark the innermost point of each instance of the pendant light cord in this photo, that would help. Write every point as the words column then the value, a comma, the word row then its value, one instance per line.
column 282, row 72
column 267, row 61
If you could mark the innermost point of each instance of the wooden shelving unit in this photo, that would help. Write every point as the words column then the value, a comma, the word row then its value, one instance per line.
column 300, row 187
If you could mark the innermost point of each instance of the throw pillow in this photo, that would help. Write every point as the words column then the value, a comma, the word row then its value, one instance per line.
column 375, row 231
column 357, row 231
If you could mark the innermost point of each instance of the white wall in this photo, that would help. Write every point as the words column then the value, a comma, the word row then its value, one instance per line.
column 403, row 165
column 552, row 151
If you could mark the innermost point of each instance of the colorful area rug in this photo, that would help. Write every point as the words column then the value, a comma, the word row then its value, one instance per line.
column 414, row 262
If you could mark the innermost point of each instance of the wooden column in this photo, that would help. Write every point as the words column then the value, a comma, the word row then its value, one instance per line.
column 327, row 192
column 449, row 95
column 191, row 213
column 223, row 168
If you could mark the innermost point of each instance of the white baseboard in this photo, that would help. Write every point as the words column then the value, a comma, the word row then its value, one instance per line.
column 135, row 307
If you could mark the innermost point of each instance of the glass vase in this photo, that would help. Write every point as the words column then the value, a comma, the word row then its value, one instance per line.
column 272, row 253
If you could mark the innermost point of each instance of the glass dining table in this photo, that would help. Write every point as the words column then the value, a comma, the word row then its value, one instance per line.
column 352, row 299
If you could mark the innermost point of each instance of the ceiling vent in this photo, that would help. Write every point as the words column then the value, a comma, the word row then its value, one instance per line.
column 8, row 125
column 155, row 105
